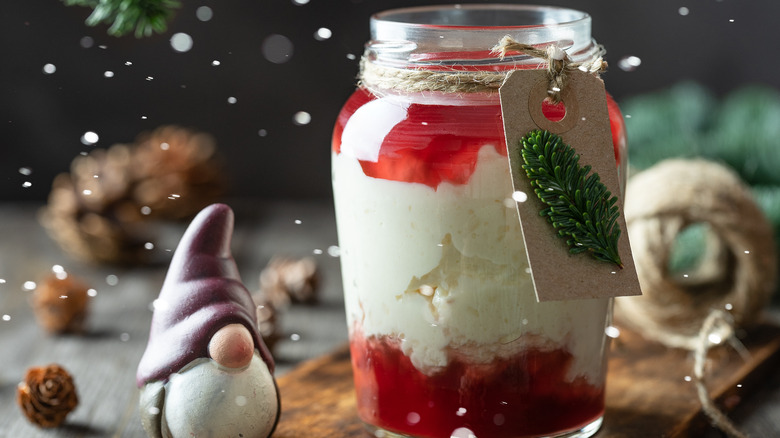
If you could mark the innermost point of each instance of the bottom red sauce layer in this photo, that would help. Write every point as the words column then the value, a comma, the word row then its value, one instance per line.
column 522, row 396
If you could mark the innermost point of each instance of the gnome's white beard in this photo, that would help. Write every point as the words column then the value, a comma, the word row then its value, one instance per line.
column 206, row 400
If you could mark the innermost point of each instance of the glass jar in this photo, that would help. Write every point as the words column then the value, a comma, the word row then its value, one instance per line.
column 446, row 336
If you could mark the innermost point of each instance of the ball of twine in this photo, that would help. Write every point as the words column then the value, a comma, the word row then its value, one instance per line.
column 737, row 269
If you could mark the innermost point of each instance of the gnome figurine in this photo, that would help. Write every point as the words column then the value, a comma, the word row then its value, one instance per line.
column 206, row 371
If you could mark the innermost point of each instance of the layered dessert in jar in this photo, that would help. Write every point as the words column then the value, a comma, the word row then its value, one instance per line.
column 447, row 337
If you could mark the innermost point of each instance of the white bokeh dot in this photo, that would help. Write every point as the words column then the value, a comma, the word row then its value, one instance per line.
column 629, row 63
column 462, row 432
column 204, row 13
column 277, row 48
column 160, row 304
column 49, row 68
column 86, row 42
column 181, row 42
column 519, row 196
column 89, row 138
column 302, row 118
column 322, row 34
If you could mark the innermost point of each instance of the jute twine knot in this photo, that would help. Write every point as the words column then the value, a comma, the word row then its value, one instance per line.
column 734, row 279
column 559, row 64
column 716, row 323
column 421, row 79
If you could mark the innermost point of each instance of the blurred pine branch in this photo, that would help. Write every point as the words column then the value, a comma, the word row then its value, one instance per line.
column 143, row 17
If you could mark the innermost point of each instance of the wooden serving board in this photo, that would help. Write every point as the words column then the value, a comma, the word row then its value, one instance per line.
column 648, row 394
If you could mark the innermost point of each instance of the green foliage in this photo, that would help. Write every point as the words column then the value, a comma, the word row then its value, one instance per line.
column 144, row 17
column 668, row 124
column 742, row 130
column 687, row 251
column 746, row 134
column 579, row 205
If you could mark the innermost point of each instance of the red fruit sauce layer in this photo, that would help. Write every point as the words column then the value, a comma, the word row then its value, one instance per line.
column 527, row 395
column 440, row 143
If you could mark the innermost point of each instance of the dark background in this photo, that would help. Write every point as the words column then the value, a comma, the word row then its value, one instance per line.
column 721, row 44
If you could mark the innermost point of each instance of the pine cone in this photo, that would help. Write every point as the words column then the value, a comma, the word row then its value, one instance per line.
column 177, row 172
column 100, row 211
column 47, row 395
column 89, row 212
column 286, row 280
column 61, row 305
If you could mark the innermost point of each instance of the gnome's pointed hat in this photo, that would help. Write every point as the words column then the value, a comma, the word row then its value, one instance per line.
column 201, row 294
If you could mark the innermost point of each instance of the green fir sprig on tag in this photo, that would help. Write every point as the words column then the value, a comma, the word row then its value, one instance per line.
column 578, row 205
column 144, row 17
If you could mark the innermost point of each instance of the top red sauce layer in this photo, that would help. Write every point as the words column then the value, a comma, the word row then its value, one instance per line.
column 440, row 143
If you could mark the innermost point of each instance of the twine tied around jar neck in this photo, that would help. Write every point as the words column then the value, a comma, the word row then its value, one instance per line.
column 420, row 79
column 558, row 62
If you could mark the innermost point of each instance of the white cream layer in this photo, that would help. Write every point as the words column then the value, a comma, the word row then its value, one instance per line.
column 445, row 270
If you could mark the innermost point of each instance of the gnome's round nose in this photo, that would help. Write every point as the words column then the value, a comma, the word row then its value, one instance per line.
column 232, row 346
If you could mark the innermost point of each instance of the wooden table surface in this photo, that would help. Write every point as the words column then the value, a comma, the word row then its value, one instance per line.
column 104, row 359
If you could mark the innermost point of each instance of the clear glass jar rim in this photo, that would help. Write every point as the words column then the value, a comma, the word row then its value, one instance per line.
column 500, row 16
column 457, row 39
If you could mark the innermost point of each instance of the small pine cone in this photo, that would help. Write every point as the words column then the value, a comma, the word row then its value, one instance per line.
column 178, row 172
column 267, row 321
column 61, row 305
column 47, row 395
column 287, row 280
